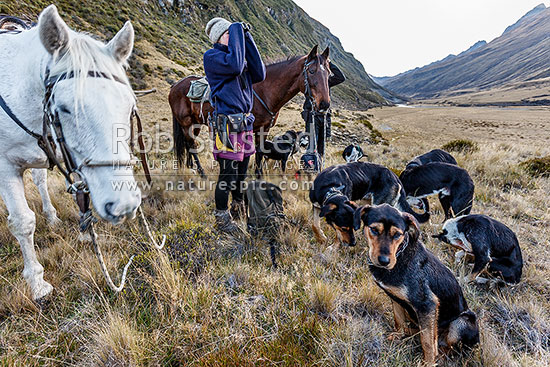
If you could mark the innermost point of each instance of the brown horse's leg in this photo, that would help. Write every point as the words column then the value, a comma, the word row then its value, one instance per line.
column 194, row 153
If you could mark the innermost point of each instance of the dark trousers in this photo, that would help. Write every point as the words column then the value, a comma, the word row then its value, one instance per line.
column 232, row 174
column 322, row 129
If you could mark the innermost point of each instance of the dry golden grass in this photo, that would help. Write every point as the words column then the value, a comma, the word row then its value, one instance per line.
column 206, row 301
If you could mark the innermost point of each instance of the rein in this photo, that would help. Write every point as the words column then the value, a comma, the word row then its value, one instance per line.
column 271, row 113
column 307, row 93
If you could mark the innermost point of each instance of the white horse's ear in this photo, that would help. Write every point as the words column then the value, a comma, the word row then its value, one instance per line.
column 122, row 44
column 54, row 33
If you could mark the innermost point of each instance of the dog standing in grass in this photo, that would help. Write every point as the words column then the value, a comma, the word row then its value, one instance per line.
column 452, row 184
column 281, row 149
column 435, row 155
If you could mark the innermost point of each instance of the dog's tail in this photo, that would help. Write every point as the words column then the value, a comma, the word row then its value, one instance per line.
column 404, row 206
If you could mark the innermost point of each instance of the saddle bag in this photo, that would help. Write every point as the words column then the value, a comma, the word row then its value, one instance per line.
column 199, row 90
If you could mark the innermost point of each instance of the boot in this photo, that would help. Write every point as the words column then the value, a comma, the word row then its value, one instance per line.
column 224, row 222
column 238, row 210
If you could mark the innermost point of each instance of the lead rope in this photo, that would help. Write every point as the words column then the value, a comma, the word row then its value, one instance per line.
column 78, row 186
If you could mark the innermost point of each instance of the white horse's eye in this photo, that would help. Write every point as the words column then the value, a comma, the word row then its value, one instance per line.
column 64, row 109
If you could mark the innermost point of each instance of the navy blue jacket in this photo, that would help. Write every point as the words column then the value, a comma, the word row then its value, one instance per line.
column 231, row 70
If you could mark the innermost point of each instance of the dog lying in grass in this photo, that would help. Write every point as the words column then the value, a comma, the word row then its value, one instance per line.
column 335, row 188
column 422, row 290
column 493, row 246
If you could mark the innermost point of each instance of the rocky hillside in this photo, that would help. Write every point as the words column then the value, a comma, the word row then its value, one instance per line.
column 521, row 54
column 175, row 29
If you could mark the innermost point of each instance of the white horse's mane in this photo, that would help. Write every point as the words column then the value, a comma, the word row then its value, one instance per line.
column 84, row 54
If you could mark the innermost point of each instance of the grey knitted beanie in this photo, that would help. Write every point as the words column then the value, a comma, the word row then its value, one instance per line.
column 216, row 27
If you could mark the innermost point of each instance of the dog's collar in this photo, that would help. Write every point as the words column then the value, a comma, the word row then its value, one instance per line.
column 334, row 191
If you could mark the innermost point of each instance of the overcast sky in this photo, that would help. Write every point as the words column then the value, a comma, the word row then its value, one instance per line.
column 390, row 37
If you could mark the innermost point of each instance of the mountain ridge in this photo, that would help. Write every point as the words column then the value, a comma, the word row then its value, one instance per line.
column 176, row 29
column 520, row 54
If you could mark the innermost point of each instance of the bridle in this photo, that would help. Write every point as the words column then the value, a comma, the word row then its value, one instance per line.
column 307, row 88
column 51, row 123
column 262, row 102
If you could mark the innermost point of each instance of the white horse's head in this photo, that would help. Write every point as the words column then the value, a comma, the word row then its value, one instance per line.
column 91, row 109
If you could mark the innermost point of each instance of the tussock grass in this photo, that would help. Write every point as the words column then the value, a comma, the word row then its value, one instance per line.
column 537, row 166
column 460, row 145
column 208, row 300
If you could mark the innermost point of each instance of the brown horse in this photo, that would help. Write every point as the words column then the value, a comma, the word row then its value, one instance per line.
column 307, row 74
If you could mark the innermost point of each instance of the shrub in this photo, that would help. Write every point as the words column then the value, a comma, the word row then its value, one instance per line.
column 537, row 166
column 191, row 245
column 460, row 145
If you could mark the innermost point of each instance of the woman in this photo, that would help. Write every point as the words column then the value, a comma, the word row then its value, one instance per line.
column 231, row 67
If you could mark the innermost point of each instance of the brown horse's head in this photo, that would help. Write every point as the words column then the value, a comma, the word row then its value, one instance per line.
column 315, row 75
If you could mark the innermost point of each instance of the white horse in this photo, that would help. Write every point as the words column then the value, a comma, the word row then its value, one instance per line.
column 88, row 108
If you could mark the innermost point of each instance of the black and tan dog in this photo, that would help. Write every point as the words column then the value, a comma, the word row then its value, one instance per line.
column 281, row 149
column 494, row 246
column 422, row 289
column 452, row 184
column 335, row 188
column 435, row 155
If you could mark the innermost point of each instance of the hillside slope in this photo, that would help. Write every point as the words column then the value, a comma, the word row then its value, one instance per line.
column 520, row 54
column 176, row 29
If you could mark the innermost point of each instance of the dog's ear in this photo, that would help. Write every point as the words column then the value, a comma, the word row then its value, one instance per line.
column 327, row 209
column 439, row 236
column 358, row 215
column 470, row 316
column 412, row 227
